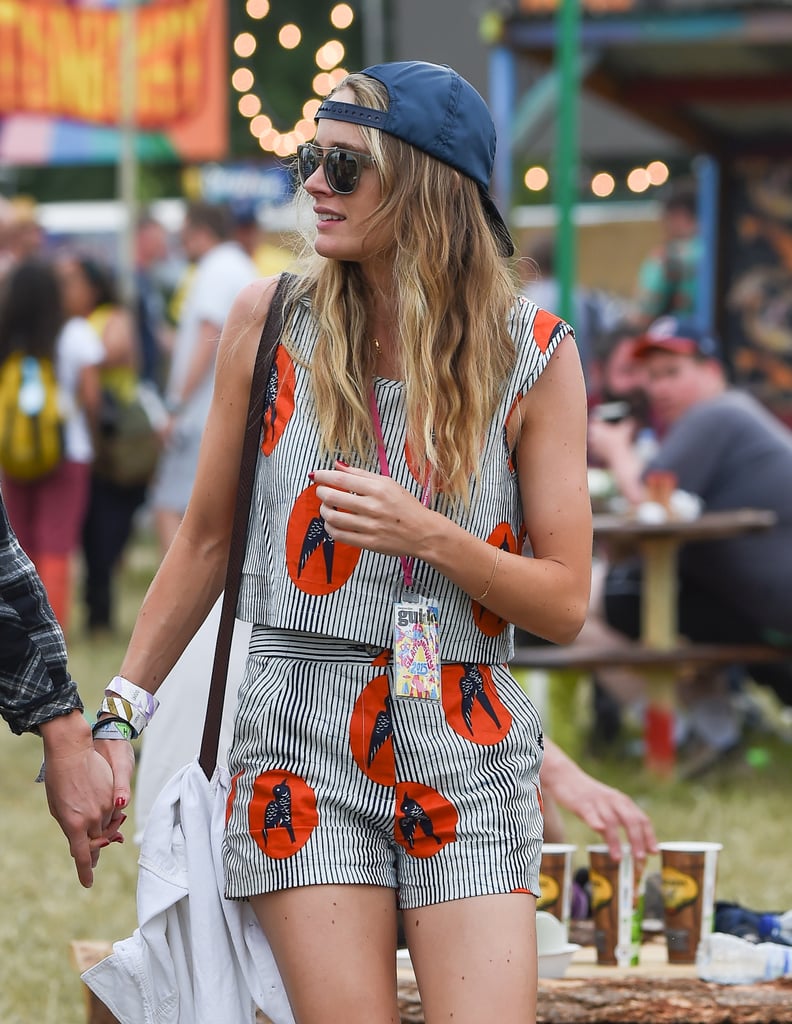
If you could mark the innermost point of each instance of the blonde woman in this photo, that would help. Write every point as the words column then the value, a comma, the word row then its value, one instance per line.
column 423, row 423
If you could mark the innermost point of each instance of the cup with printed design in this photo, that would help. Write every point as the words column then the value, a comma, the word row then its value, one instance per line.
column 687, row 878
column 555, row 881
column 616, row 905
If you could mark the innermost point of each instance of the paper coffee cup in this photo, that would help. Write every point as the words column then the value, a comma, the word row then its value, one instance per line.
column 687, row 879
column 616, row 905
column 555, row 881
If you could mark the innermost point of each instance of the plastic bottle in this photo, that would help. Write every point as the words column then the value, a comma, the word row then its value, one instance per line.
column 776, row 927
column 730, row 960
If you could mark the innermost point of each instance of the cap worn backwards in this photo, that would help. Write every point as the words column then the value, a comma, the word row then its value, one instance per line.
column 673, row 334
column 431, row 107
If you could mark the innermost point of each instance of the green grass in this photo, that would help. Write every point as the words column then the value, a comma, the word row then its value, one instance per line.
column 44, row 908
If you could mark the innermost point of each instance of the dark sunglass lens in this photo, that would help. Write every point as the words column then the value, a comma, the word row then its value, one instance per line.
column 307, row 162
column 343, row 170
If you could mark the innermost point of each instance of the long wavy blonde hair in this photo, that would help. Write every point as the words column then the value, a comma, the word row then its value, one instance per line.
column 451, row 292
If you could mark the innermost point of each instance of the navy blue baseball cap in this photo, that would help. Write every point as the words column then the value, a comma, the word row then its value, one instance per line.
column 433, row 108
column 674, row 334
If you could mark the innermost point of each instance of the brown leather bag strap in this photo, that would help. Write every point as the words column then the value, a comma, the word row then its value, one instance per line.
column 265, row 357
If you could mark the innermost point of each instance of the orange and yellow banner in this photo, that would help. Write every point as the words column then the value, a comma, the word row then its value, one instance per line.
column 61, row 59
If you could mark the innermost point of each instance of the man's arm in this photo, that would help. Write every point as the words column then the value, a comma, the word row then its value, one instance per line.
column 37, row 694
column 604, row 809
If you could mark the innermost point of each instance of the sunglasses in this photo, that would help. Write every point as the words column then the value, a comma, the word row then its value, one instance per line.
column 342, row 167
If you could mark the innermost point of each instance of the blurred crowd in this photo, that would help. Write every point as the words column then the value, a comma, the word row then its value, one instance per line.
column 133, row 379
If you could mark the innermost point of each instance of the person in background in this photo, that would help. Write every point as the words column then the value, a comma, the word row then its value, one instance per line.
column 151, row 250
column 727, row 449
column 48, row 513
column 360, row 785
column 668, row 277
column 38, row 695
column 221, row 267
column 89, row 295
column 592, row 312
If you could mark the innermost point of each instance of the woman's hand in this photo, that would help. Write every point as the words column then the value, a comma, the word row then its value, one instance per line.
column 368, row 510
column 82, row 790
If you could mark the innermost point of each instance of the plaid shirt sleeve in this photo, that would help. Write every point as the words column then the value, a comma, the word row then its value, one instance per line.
column 35, row 684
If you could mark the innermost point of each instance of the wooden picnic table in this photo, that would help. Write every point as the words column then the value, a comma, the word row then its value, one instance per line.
column 659, row 545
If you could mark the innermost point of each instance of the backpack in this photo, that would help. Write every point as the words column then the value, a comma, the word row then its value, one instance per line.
column 31, row 420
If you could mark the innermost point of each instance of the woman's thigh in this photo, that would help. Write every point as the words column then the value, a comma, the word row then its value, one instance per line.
column 335, row 947
column 475, row 959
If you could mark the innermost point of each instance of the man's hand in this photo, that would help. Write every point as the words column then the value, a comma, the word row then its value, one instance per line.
column 604, row 809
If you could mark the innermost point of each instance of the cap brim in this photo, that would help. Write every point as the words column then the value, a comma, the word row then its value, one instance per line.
column 497, row 224
column 681, row 346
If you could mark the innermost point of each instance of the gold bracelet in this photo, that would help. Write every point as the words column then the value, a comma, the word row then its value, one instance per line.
column 492, row 576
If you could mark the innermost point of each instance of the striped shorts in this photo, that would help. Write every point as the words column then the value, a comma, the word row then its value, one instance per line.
column 336, row 781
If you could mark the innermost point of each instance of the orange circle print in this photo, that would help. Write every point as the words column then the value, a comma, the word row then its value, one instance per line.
column 371, row 733
column 488, row 622
column 282, row 813
column 425, row 820
column 278, row 400
column 471, row 703
column 317, row 564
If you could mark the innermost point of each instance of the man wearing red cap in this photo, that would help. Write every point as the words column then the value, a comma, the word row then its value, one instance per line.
column 724, row 446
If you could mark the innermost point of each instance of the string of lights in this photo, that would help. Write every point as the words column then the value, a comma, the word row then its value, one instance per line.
column 603, row 184
column 329, row 73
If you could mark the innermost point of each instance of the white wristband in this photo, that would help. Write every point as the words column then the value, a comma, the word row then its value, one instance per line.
column 146, row 703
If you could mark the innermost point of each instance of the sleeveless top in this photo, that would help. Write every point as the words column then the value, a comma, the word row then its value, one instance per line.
column 295, row 577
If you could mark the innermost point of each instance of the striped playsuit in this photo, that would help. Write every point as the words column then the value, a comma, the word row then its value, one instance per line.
column 334, row 778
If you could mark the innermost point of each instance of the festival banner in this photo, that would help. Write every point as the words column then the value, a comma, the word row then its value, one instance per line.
column 60, row 80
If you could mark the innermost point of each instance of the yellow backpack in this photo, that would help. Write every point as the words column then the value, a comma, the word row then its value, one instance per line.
column 31, row 420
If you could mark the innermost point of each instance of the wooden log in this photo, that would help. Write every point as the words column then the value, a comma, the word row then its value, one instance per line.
column 654, row 992
column 662, row 1001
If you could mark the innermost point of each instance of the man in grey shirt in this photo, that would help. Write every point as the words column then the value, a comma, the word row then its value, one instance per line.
column 724, row 446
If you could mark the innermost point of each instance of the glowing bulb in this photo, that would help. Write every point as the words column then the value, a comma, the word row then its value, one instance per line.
column 309, row 108
column 245, row 44
column 338, row 75
column 260, row 125
column 289, row 37
column 242, row 80
column 342, row 16
column 658, row 172
column 322, row 84
column 257, row 8
column 638, row 180
column 330, row 54
column 536, row 178
column 249, row 105
column 602, row 184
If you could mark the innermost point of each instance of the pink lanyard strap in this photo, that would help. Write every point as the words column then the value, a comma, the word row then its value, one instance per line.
column 382, row 456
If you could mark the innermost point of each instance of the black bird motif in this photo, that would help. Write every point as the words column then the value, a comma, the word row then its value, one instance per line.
column 317, row 536
column 382, row 731
column 415, row 816
column 471, row 686
column 278, row 811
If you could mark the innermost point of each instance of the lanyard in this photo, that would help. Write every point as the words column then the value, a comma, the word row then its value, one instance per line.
column 426, row 495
